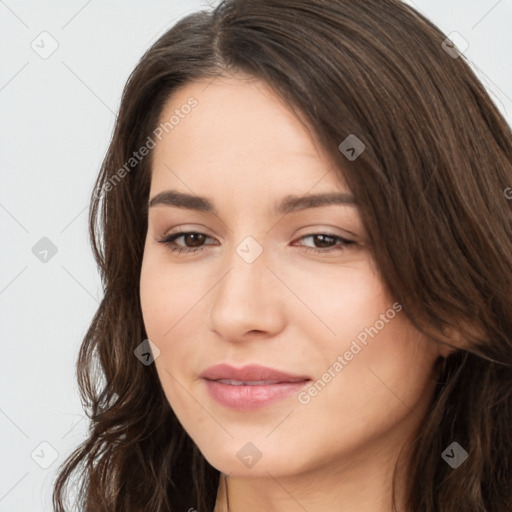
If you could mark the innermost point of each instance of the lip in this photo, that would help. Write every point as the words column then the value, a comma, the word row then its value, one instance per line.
column 249, row 392
column 251, row 372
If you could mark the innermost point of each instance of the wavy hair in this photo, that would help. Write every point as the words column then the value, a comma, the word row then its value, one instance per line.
column 432, row 187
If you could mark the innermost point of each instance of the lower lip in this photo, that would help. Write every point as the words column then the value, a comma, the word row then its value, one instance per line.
column 251, row 397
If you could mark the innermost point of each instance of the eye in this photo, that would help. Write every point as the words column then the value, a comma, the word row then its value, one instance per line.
column 196, row 241
column 327, row 239
column 192, row 237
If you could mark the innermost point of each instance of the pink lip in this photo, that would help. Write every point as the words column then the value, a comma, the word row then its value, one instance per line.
column 279, row 385
column 250, row 372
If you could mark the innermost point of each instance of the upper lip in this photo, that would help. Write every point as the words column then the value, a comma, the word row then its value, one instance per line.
column 251, row 372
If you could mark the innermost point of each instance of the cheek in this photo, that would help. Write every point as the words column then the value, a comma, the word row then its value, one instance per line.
column 152, row 298
column 389, row 375
column 165, row 300
column 387, row 383
column 342, row 302
column 168, row 295
column 387, row 365
column 172, row 301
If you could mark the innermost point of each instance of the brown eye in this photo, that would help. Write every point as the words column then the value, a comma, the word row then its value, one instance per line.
column 193, row 241
column 327, row 242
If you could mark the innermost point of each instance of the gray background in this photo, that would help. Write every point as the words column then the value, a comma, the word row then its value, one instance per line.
column 57, row 115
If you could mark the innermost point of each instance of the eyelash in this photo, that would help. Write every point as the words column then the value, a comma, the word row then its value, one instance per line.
column 169, row 241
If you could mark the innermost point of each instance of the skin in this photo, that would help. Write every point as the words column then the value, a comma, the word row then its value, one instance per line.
column 291, row 309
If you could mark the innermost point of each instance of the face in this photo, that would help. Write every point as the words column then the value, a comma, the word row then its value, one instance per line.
column 295, row 290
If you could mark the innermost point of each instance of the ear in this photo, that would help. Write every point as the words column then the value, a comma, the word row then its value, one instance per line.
column 457, row 339
column 444, row 349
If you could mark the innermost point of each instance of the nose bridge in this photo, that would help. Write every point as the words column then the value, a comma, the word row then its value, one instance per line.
column 248, row 270
column 245, row 298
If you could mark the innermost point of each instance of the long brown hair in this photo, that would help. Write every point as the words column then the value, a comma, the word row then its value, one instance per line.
column 430, row 185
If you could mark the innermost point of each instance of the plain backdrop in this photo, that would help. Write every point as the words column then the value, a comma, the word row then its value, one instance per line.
column 57, row 113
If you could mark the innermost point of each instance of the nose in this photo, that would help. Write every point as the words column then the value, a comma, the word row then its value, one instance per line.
column 248, row 300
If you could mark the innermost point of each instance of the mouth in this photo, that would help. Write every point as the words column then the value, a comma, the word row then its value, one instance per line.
column 251, row 387
column 252, row 373
column 232, row 382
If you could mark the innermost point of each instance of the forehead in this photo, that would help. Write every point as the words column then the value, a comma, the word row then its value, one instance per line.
column 239, row 134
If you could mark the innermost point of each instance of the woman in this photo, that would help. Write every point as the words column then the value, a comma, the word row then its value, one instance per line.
column 305, row 241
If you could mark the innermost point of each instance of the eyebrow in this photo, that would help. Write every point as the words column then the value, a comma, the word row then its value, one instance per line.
column 288, row 204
